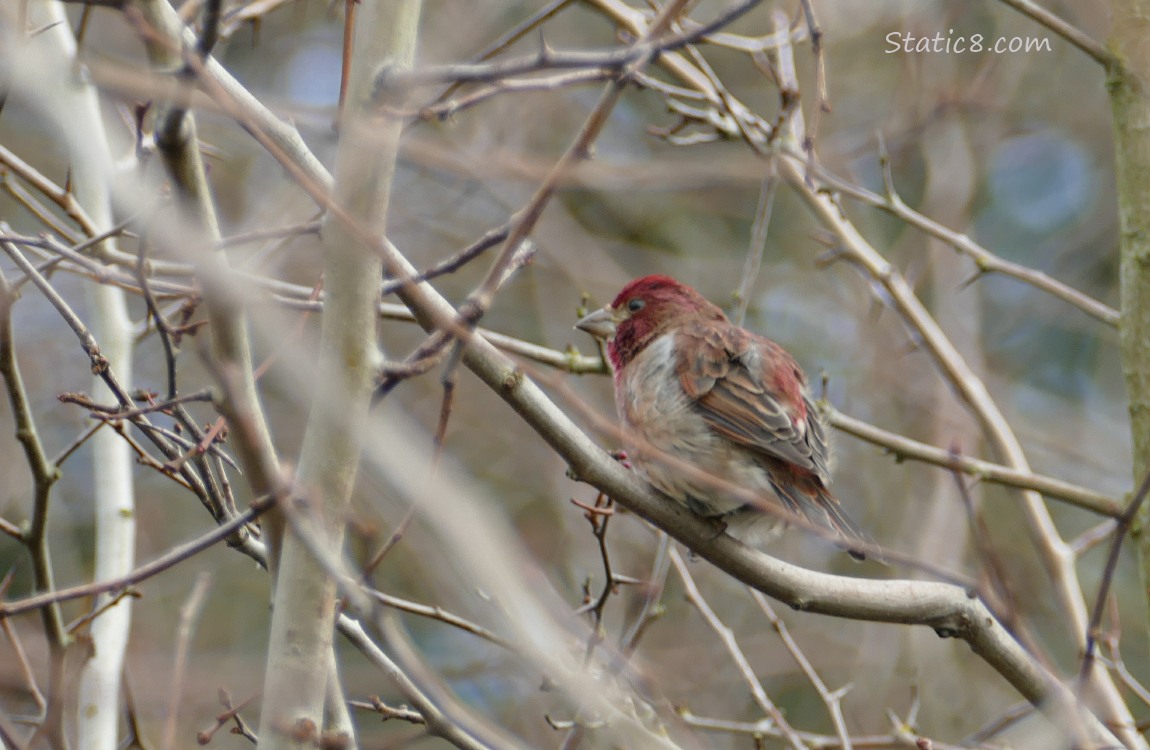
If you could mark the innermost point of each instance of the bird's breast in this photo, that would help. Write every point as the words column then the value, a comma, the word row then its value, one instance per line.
column 665, row 432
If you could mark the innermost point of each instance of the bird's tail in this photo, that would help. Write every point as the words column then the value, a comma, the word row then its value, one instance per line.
column 808, row 496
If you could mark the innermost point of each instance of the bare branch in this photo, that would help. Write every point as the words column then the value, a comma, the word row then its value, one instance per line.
column 902, row 448
column 144, row 572
column 727, row 636
column 985, row 261
column 1067, row 31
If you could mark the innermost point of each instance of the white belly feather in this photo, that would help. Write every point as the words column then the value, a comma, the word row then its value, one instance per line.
column 660, row 421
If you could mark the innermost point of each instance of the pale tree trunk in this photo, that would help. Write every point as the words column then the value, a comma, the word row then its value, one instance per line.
column 300, row 650
column 71, row 106
column 1129, row 87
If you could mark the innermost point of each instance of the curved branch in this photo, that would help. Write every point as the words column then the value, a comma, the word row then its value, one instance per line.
column 1067, row 31
column 903, row 447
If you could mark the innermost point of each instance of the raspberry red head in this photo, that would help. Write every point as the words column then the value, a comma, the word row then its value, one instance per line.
column 645, row 309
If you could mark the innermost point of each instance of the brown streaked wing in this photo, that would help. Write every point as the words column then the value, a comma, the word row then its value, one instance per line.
column 722, row 370
column 817, row 438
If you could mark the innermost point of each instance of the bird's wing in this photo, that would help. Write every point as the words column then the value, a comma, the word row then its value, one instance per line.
column 750, row 391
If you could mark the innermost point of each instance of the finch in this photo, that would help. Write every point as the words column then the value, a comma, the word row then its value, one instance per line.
column 695, row 390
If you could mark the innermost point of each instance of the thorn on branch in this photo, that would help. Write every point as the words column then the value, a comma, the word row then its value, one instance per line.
column 978, row 274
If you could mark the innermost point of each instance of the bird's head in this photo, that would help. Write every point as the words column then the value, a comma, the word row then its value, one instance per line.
column 643, row 311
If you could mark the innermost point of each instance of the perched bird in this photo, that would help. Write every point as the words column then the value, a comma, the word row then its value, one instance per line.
column 695, row 390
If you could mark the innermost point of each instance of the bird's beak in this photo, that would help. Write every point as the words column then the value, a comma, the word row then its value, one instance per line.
column 600, row 324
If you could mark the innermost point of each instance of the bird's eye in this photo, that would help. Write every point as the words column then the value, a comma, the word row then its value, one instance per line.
column 635, row 305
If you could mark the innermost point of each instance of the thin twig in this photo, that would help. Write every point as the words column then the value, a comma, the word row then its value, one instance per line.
column 1067, row 31
column 162, row 327
column 1093, row 536
column 513, row 35
column 727, row 636
column 652, row 608
column 999, row 724
column 231, row 714
column 34, row 206
column 442, row 615
column 189, row 614
column 24, row 666
column 599, row 517
column 451, row 107
column 1125, row 522
column 903, row 448
column 757, row 249
column 389, row 712
column 99, row 608
column 274, row 233
column 984, row 260
column 35, row 539
column 171, row 558
column 1001, row 598
column 1115, row 661
column 764, row 728
column 831, row 699
column 547, row 58
column 209, row 29
column 50, row 190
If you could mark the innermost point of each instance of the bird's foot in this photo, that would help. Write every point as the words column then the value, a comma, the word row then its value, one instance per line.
column 718, row 525
column 622, row 458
